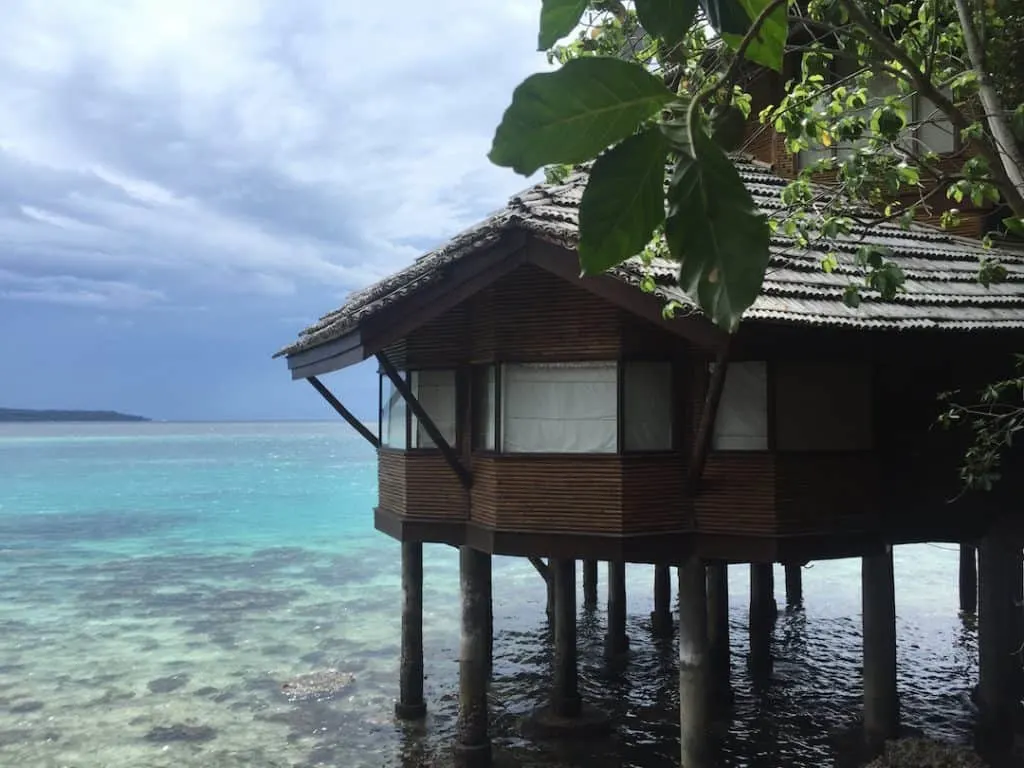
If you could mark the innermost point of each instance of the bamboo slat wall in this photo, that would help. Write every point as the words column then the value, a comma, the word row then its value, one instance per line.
column 420, row 484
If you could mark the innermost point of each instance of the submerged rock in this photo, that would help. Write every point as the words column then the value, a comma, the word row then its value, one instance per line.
column 320, row 685
column 926, row 753
column 26, row 706
column 167, row 684
column 165, row 734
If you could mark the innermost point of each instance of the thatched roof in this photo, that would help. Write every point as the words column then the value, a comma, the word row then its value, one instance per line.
column 941, row 287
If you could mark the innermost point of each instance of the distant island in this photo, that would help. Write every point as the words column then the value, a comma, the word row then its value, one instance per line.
column 25, row 414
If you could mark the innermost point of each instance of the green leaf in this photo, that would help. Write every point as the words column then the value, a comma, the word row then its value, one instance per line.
column 623, row 202
column 557, row 19
column 573, row 113
column 716, row 233
column 769, row 43
column 1017, row 122
column 1014, row 225
column 668, row 19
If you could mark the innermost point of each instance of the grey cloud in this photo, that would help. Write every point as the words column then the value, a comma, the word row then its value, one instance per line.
column 246, row 146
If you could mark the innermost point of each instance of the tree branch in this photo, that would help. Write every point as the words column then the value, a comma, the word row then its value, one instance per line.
column 925, row 87
column 1006, row 144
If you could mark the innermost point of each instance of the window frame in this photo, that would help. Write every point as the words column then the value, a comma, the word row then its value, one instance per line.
column 676, row 429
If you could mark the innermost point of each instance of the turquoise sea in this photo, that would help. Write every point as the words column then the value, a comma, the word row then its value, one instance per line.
column 160, row 582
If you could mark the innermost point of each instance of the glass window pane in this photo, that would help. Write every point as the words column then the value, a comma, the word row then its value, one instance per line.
column 741, row 423
column 483, row 408
column 647, row 400
column 392, row 415
column 435, row 391
column 559, row 408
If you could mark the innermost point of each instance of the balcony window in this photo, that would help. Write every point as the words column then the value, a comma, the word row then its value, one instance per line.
column 647, row 405
column 392, row 415
column 559, row 408
column 435, row 391
column 741, row 423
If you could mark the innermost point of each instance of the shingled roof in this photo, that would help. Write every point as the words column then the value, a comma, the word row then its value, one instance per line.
column 941, row 286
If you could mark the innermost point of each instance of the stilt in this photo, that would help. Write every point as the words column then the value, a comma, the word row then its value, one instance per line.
column 968, row 578
column 720, row 689
column 473, row 748
column 794, row 586
column 489, row 597
column 881, row 700
column 616, row 642
column 565, row 694
column 694, row 715
column 590, row 584
column 762, row 619
column 996, row 644
column 566, row 713
column 410, row 704
column 661, row 618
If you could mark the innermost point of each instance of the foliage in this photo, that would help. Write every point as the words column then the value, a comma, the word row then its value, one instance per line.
column 994, row 421
column 895, row 108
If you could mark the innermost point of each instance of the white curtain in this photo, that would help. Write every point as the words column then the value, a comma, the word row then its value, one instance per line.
column 435, row 391
column 559, row 408
column 648, row 406
column 742, row 420
column 392, row 415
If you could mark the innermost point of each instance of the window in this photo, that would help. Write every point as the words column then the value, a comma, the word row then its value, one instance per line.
column 823, row 406
column 934, row 130
column 485, row 418
column 435, row 391
column 741, row 423
column 559, row 408
column 647, row 402
column 392, row 415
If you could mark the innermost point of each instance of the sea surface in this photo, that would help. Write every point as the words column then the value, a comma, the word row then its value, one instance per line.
column 160, row 582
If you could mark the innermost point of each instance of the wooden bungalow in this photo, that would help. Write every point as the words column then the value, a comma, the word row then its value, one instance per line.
column 527, row 411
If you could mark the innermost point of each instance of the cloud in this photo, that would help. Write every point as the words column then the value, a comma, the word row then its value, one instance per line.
column 156, row 153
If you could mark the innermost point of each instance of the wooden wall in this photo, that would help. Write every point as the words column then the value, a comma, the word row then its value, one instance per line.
column 420, row 484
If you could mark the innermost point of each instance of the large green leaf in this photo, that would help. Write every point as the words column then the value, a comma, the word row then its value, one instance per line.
column 769, row 44
column 668, row 19
column 573, row 113
column 623, row 202
column 557, row 19
column 716, row 232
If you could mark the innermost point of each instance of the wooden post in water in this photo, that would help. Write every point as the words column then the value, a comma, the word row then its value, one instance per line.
column 488, row 589
column 410, row 704
column 661, row 618
column 590, row 584
column 616, row 643
column 473, row 748
column 968, row 578
column 720, row 689
column 694, row 714
column 996, row 644
column 881, row 699
column 794, row 586
column 762, row 619
column 565, row 694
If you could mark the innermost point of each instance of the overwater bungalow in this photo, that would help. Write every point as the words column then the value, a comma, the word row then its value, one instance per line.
column 528, row 411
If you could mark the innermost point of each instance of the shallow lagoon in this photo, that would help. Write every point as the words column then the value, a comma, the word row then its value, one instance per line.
column 158, row 584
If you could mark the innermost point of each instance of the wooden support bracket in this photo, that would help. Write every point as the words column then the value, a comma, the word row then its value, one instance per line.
column 344, row 412
column 465, row 477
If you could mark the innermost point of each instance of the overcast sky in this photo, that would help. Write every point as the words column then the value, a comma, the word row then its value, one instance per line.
column 185, row 185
